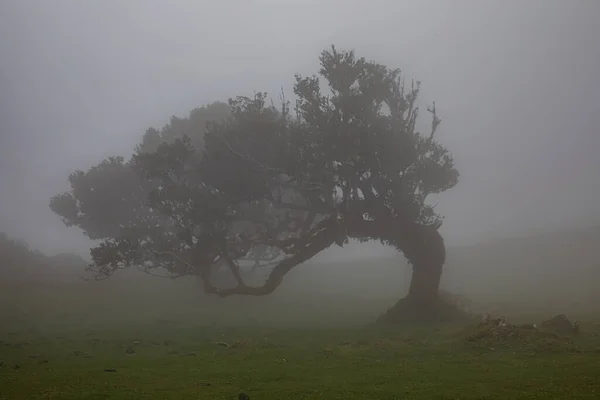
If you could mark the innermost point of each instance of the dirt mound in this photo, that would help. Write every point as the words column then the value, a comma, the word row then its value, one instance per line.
column 499, row 329
column 552, row 335
column 561, row 324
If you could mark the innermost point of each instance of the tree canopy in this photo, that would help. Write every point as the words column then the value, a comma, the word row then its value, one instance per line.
column 346, row 162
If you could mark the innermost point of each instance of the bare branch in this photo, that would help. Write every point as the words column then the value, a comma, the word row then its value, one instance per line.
column 316, row 242
column 262, row 168
column 234, row 268
column 170, row 253
column 435, row 122
column 146, row 270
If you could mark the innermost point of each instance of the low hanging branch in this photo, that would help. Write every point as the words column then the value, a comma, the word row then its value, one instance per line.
column 305, row 248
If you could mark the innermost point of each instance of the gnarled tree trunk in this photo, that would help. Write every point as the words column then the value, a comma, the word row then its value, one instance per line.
column 425, row 283
column 426, row 251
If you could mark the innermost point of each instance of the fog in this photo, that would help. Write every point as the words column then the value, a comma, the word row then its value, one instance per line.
column 515, row 84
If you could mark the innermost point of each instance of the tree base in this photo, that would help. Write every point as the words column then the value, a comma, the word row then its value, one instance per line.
column 409, row 311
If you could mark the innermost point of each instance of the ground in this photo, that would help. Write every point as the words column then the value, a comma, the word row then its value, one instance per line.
column 172, row 360
column 160, row 339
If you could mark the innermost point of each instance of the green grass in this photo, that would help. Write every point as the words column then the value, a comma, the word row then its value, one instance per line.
column 184, row 361
column 291, row 345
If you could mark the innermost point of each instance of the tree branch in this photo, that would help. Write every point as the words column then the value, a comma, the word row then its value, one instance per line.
column 263, row 168
column 317, row 241
column 146, row 270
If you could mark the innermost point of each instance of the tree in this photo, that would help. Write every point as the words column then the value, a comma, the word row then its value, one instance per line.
column 346, row 164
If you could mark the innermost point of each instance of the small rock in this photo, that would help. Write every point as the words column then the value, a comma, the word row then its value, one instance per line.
column 172, row 352
column 43, row 361
column 35, row 356
column 110, row 370
column 129, row 350
column 168, row 342
column 243, row 396
column 206, row 384
column 191, row 354
column 222, row 344
column 17, row 366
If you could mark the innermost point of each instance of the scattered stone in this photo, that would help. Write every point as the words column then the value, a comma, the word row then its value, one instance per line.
column 129, row 350
column 136, row 342
column 172, row 352
column 243, row 396
column 43, row 361
column 191, row 354
column 110, row 370
column 35, row 356
column 205, row 384
column 17, row 366
column 168, row 342
column 222, row 344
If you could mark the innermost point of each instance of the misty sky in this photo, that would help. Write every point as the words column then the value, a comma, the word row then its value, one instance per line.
column 516, row 83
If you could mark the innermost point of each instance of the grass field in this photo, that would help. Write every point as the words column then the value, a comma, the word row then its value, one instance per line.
column 139, row 337
column 91, row 342
column 181, row 361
